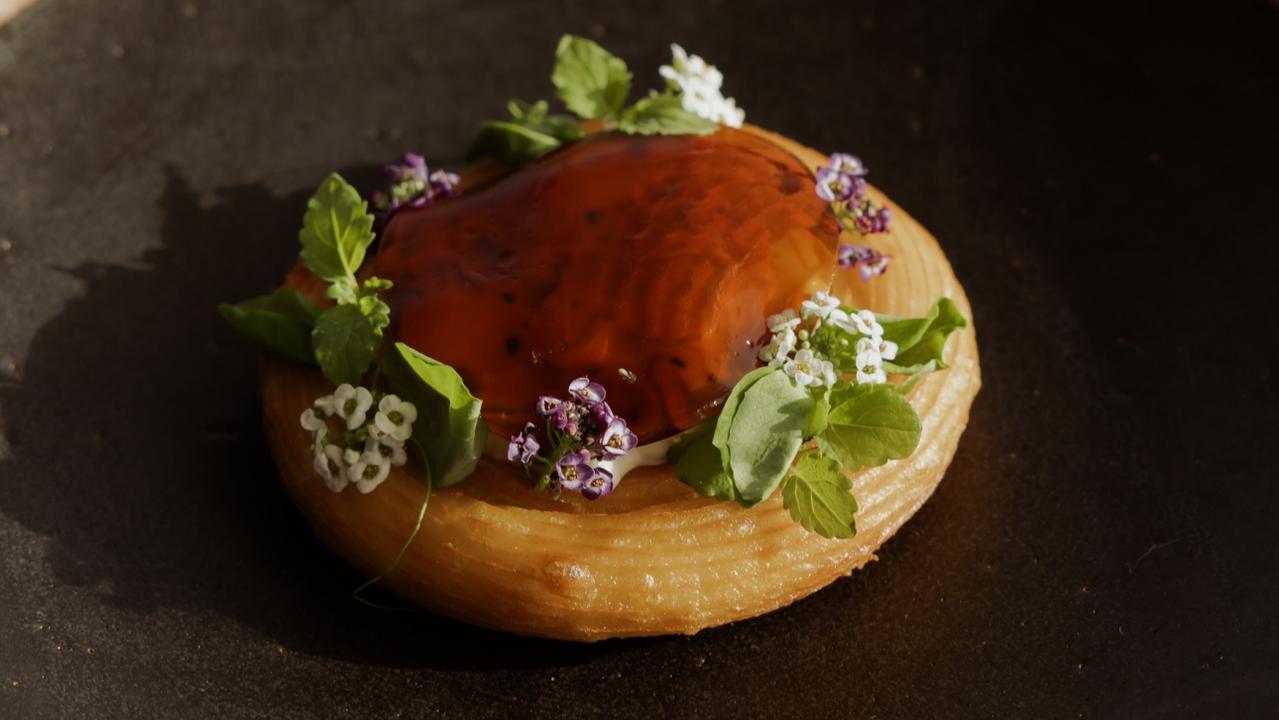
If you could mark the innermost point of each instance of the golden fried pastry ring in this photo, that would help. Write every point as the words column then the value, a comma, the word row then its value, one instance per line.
column 653, row 558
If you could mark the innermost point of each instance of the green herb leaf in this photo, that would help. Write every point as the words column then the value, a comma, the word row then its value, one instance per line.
column 765, row 434
column 591, row 81
column 448, row 430
column 724, row 424
column 663, row 115
column 510, row 143
column 819, row 497
column 535, row 117
column 373, row 307
column 921, row 340
column 698, row 465
column 869, row 425
column 336, row 230
column 280, row 322
column 344, row 341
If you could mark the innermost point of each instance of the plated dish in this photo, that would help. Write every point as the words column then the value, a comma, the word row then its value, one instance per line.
column 638, row 370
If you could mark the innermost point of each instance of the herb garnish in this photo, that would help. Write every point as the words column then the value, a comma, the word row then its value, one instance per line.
column 594, row 84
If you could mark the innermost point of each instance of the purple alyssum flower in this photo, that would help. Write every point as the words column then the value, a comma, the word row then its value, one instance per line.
column 586, row 391
column 870, row 219
column 602, row 414
column 524, row 446
column 868, row 262
column 617, row 438
column 547, row 406
column 847, row 164
column 834, row 186
column 412, row 184
column 600, row 483
column 574, row 469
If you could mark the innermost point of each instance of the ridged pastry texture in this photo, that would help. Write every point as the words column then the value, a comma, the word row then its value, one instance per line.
column 654, row 557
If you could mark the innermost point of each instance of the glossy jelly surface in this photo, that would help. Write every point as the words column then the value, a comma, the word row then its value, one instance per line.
column 661, row 255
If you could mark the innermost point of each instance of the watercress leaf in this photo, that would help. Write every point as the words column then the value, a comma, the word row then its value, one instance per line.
column 511, row 143
column 663, row 115
column 821, row 413
column 343, row 290
column 869, row 425
column 724, row 424
column 698, row 465
column 448, row 429
column 766, row 433
column 344, row 341
column 591, row 81
column 280, row 322
column 819, row 497
column 336, row 230
column 921, row 340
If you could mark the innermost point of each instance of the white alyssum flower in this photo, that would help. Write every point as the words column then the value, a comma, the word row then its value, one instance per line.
column 395, row 417
column 870, row 364
column 779, row 348
column 787, row 319
column 352, row 404
column 699, row 85
column 368, row 471
column 819, row 306
column 329, row 465
column 864, row 323
column 324, row 406
column 810, row 370
column 312, row 422
column 395, row 454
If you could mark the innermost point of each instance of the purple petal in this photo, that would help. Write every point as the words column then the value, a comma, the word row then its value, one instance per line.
column 586, row 391
column 546, row 406
column 872, row 269
column 849, row 164
column 849, row 255
column 574, row 469
column 618, row 438
column 833, row 186
column 599, row 485
column 602, row 414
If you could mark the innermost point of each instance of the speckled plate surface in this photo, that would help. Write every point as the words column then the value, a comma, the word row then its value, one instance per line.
column 1100, row 547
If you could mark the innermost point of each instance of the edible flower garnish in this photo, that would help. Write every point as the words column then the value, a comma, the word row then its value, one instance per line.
column 359, row 451
column 412, row 184
column 697, row 84
column 582, row 438
column 842, row 183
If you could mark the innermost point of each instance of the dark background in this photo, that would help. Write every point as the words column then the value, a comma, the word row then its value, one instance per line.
column 1102, row 177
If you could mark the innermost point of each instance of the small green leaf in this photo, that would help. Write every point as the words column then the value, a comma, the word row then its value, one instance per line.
column 591, row 81
column 448, row 430
column 280, row 322
column 869, row 425
column 766, row 433
column 821, row 414
column 663, row 115
column 724, row 424
column 372, row 306
column 510, row 143
column 336, row 230
column 344, row 341
column 698, row 465
column 819, row 497
column 921, row 340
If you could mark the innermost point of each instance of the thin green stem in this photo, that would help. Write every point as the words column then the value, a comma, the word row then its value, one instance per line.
column 421, row 515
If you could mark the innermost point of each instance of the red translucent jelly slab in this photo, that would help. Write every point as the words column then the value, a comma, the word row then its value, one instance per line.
column 660, row 255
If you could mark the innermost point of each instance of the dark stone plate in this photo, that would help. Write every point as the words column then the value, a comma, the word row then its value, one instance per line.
column 1102, row 178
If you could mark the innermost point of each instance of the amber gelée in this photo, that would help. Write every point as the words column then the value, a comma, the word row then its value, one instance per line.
column 660, row 255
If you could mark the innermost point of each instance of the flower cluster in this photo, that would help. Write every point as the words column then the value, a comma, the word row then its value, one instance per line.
column 412, row 184
column 842, row 183
column 868, row 262
column 362, row 450
column 791, row 349
column 699, row 87
column 578, row 444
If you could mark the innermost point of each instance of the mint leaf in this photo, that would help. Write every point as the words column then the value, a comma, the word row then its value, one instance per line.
column 819, row 497
column 663, row 115
column 921, row 340
column 765, row 433
column 344, row 341
column 336, row 230
column 449, row 431
column 698, row 465
column 869, row 425
column 280, row 322
column 591, row 81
